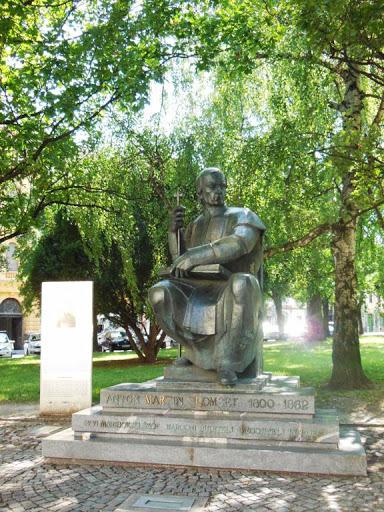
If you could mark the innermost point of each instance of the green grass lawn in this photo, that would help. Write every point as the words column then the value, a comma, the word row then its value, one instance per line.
column 313, row 364
column 19, row 378
column 118, row 367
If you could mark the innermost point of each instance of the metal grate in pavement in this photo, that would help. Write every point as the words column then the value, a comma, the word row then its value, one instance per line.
column 162, row 503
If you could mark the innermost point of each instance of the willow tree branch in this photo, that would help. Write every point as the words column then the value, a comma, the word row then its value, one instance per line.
column 299, row 242
column 327, row 227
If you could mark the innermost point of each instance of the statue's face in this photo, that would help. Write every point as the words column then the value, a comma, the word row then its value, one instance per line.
column 213, row 188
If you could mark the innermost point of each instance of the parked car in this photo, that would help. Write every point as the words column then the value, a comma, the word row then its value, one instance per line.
column 32, row 345
column 114, row 339
column 6, row 345
column 170, row 343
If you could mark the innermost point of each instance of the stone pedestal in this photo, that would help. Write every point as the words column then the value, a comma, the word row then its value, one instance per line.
column 66, row 329
column 268, row 423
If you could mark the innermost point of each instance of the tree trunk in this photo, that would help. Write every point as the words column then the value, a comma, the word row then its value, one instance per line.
column 278, row 302
column 136, row 346
column 149, row 342
column 326, row 317
column 151, row 349
column 315, row 325
column 347, row 372
column 95, row 345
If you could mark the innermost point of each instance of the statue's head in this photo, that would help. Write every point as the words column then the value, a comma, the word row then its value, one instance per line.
column 211, row 187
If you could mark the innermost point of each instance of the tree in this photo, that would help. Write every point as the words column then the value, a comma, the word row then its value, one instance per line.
column 331, row 52
column 318, row 142
column 277, row 285
column 121, row 284
column 63, row 254
column 58, row 255
column 239, row 132
column 62, row 66
column 129, row 247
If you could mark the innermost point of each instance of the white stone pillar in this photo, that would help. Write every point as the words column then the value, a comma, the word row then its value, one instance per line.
column 66, row 347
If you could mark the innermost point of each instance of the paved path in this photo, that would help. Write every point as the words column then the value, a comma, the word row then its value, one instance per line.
column 27, row 483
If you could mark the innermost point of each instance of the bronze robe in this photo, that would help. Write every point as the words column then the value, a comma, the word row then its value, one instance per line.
column 205, row 316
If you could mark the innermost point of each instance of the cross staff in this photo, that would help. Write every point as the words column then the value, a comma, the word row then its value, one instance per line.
column 178, row 235
column 178, row 195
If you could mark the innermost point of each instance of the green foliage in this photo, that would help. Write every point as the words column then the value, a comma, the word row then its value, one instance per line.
column 272, row 169
column 63, row 65
column 122, row 277
column 370, row 261
column 142, row 252
column 112, row 289
column 304, row 54
column 295, row 121
column 319, row 158
column 125, row 240
column 59, row 255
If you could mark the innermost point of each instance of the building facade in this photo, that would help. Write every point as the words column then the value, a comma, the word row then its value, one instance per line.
column 13, row 319
column 372, row 314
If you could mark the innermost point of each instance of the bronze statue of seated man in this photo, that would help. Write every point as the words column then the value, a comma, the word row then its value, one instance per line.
column 214, row 314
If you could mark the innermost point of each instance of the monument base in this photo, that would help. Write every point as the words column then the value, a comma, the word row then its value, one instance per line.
column 347, row 459
column 266, row 423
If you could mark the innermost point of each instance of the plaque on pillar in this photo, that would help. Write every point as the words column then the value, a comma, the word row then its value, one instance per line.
column 66, row 347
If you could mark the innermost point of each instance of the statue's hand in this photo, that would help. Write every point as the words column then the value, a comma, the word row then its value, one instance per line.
column 201, row 255
column 182, row 265
column 177, row 219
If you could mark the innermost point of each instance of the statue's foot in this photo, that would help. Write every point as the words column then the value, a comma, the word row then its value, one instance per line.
column 227, row 377
column 182, row 361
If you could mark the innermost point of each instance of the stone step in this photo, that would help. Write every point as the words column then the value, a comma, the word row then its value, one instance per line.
column 193, row 374
column 285, row 381
column 271, row 399
column 219, row 441
column 243, row 385
column 247, row 386
column 349, row 459
column 322, row 428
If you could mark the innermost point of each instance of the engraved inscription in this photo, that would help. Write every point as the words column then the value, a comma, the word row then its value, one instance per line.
column 261, row 403
column 206, row 401
column 297, row 405
column 181, row 428
column 147, row 425
column 161, row 400
column 228, row 402
column 217, row 430
column 205, row 429
column 123, row 400
column 263, row 430
column 270, row 404
column 155, row 400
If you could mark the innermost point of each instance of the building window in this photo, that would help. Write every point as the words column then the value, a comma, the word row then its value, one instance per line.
column 12, row 263
column 10, row 307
